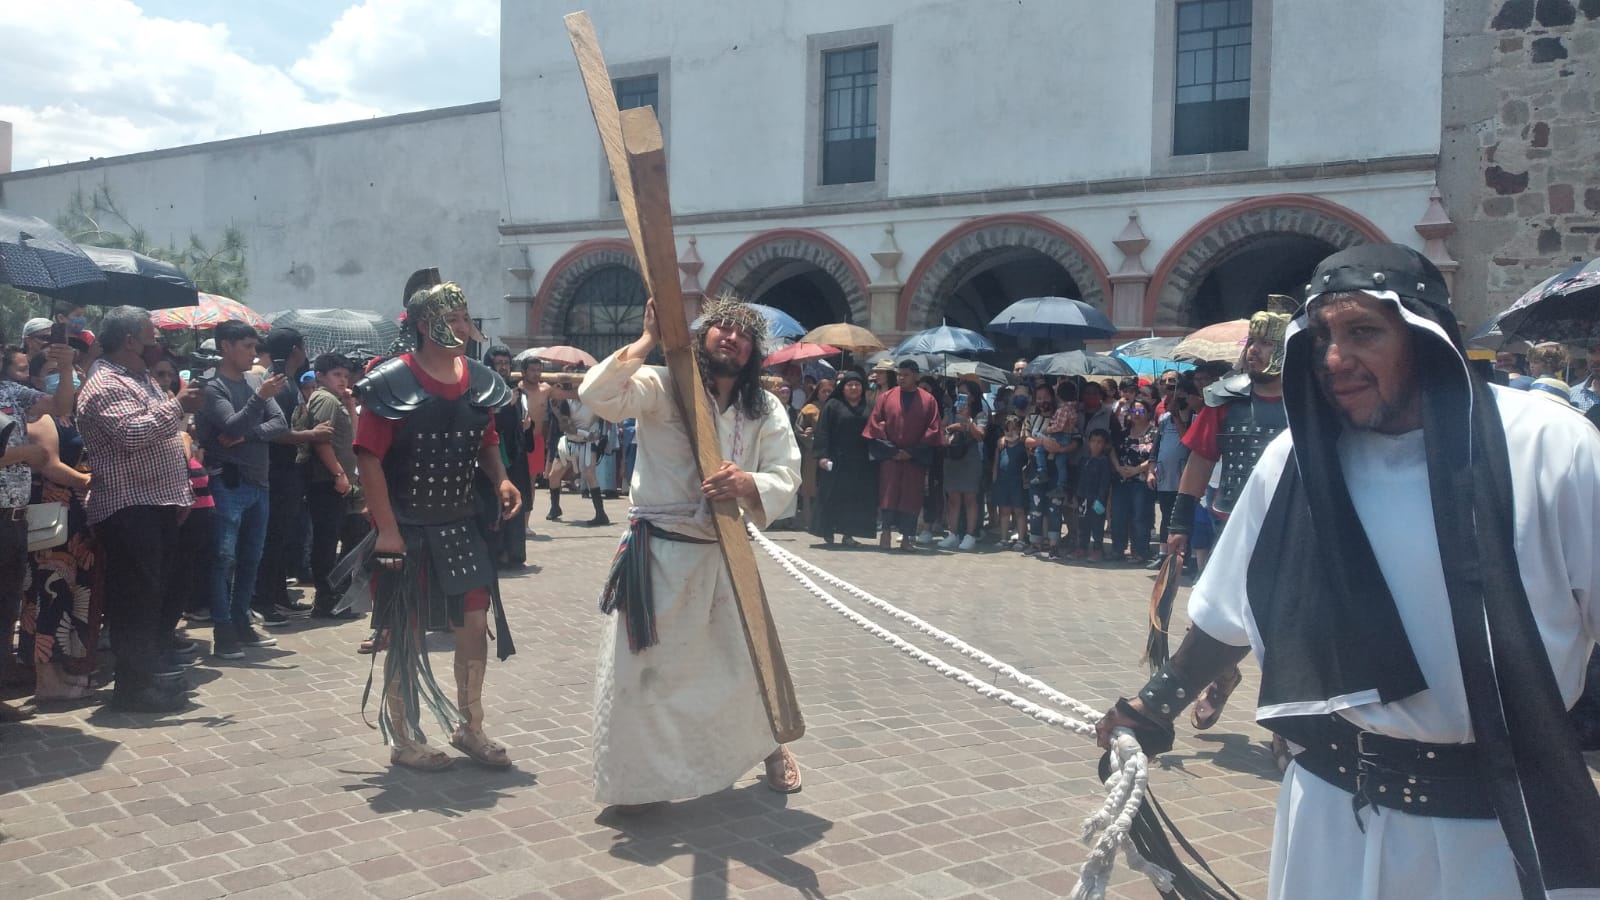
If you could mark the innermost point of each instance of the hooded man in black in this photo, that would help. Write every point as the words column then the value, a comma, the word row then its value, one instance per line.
column 1422, row 596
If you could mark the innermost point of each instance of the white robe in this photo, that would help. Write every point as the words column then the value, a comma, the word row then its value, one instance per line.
column 1317, row 850
column 684, row 717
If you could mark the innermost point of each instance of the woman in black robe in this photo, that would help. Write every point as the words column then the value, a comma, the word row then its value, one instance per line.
column 847, row 479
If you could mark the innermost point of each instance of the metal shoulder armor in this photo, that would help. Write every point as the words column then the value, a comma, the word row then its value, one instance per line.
column 1226, row 390
column 391, row 390
column 485, row 388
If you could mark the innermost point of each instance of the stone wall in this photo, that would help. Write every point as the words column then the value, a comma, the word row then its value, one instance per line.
column 1520, row 160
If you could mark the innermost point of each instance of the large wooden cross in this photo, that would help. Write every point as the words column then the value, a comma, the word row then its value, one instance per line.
column 634, row 150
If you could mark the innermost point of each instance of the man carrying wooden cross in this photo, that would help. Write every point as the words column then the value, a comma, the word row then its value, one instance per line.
column 678, row 710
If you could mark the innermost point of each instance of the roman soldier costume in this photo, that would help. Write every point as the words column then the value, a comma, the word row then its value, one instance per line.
column 428, row 437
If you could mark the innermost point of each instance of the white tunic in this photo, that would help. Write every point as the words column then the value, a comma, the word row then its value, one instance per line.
column 1318, row 851
column 684, row 717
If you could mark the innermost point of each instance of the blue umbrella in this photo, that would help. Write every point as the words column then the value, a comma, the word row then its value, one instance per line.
column 779, row 323
column 944, row 339
column 781, row 327
column 1151, row 355
column 1052, row 318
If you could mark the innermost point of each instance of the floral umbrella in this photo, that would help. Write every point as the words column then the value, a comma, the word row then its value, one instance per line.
column 210, row 312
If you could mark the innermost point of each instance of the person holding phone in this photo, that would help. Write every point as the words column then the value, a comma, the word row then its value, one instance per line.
column 236, row 425
column 963, row 466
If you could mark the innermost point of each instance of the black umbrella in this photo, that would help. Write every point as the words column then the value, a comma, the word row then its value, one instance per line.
column 36, row 257
column 1564, row 308
column 352, row 332
column 134, row 279
column 1079, row 363
column 1052, row 318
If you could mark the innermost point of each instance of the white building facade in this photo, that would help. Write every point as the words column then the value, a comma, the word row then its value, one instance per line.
column 896, row 164
column 903, row 163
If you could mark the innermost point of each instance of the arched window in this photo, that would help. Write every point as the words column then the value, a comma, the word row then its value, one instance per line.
column 607, row 310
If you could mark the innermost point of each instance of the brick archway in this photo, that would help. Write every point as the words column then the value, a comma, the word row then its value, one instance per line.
column 548, row 312
column 1225, row 232
column 956, row 255
column 750, row 265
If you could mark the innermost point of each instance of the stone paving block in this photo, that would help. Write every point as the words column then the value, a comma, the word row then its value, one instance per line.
column 273, row 785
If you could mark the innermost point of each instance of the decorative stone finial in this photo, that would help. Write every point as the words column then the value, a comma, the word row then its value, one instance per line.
column 690, row 265
column 888, row 257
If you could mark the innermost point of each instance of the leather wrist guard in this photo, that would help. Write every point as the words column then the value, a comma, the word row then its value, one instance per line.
column 1155, row 735
column 1182, row 519
column 1165, row 694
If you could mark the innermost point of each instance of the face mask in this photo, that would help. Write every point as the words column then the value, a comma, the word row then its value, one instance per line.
column 78, row 323
column 53, row 381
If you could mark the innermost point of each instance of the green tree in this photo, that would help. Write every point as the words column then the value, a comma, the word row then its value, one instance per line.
column 95, row 219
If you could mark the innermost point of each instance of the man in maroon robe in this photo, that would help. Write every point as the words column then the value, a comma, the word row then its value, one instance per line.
column 904, row 428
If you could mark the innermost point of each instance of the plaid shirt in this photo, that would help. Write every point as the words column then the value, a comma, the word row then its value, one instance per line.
column 132, row 430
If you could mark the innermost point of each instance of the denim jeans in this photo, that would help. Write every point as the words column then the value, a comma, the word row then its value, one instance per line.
column 238, row 537
column 1132, row 511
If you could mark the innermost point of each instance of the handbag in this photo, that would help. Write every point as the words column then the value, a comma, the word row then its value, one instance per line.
column 47, row 525
column 960, row 443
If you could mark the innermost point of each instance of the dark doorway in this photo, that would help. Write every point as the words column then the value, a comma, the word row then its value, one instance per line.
column 1239, row 283
column 989, row 282
column 804, row 291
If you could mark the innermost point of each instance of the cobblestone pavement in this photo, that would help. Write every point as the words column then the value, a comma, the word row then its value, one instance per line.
column 271, row 785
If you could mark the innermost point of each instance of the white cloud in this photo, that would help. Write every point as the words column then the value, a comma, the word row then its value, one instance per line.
column 102, row 78
column 392, row 53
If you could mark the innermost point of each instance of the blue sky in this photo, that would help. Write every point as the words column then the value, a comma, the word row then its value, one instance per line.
column 163, row 73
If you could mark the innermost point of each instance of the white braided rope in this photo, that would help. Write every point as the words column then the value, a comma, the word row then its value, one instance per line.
column 1107, row 830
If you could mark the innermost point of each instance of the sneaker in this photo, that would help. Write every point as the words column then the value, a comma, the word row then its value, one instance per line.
column 925, row 537
column 296, row 610
column 255, row 617
column 967, row 543
column 180, row 661
column 949, row 543
column 226, row 646
column 249, row 637
column 273, row 619
column 181, row 644
column 198, row 615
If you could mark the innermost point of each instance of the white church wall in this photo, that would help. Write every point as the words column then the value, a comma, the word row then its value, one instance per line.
column 336, row 216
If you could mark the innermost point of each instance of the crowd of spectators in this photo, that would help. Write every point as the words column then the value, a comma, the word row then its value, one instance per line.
column 1046, row 467
column 200, row 489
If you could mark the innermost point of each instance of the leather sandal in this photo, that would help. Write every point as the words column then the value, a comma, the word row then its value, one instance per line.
column 480, row 748
column 419, row 756
column 1208, row 709
column 783, row 773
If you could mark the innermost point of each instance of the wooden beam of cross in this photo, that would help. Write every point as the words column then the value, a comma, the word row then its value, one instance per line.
column 635, row 151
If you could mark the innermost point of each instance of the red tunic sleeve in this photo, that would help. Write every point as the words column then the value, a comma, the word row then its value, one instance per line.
column 1202, row 435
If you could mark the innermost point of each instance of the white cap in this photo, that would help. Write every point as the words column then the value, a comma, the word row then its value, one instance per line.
column 35, row 326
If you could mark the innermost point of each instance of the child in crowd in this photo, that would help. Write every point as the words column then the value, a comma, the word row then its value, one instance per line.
column 1094, row 485
column 1063, row 429
column 1009, row 459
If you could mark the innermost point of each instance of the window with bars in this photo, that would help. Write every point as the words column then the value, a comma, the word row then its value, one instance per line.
column 606, row 310
column 850, row 115
column 632, row 93
column 1211, row 109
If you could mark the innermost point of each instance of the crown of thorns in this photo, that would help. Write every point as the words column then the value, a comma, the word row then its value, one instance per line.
column 729, row 310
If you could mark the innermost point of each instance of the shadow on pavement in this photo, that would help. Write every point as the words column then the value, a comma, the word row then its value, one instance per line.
column 1235, row 753
column 750, row 825
column 454, row 792
column 39, row 754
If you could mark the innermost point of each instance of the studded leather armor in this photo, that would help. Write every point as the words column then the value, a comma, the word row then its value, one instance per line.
column 433, row 458
column 1247, row 428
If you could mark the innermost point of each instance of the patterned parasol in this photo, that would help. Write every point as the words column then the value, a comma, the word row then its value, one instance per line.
column 210, row 312
column 1222, row 342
